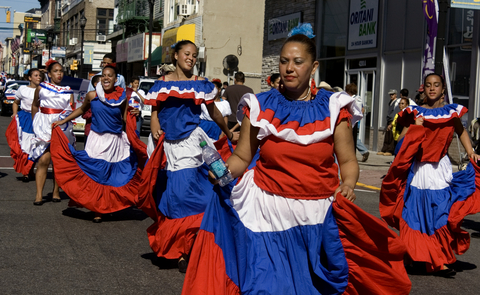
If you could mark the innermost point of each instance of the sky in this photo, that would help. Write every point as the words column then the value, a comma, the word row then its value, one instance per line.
column 19, row 6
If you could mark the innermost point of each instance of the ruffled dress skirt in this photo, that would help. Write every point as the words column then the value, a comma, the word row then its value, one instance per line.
column 182, row 192
column 104, row 177
column 42, row 127
column 426, row 202
column 255, row 242
column 19, row 138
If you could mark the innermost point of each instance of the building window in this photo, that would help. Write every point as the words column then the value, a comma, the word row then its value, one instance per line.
column 334, row 28
column 104, row 21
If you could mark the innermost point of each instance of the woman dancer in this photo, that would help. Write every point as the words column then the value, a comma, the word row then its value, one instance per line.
column 207, row 124
column 20, row 131
column 274, row 81
column 184, row 190
column 289, row 226
column 420, row 195
column 102, row 178
column 50, row 103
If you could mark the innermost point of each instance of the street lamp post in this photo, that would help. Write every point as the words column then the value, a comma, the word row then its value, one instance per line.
column 30, row 50
column 9, row 64
column 150, row 28
column 83, row 22
column 49, row 42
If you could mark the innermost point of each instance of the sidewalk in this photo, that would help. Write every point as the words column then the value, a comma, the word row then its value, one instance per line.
column 375, row 168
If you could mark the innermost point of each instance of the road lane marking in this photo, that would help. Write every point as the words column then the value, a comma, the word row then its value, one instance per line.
column 368, row 186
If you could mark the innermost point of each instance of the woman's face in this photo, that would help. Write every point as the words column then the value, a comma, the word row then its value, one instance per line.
column 35, row 78
column 108, row 79
column 56, row 74
column 433, row 87
column 186, row 57
column 275, row 84
column 402, row 104
column 296, row 66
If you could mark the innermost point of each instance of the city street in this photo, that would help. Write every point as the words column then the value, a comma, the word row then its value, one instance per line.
column 53, row 249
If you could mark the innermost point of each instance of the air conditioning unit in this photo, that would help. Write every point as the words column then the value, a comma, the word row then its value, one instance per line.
column 185, row 9
column 201, row 54
column 73, row 41
column 101, row 38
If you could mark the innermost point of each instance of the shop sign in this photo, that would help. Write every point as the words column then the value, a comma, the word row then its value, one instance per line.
column 58, row 51
column 44, row 57
column 467, row 4
column 88, row 54
column 280, row 26
column 362, row 24
column 467, row 32
column 122, row 51
column 136, row 48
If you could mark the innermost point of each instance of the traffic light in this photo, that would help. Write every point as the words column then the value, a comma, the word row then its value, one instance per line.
column 74, row 66
column 8, row 16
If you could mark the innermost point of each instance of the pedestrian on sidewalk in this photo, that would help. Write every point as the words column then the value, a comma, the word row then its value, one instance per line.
column 388, row 141
column 352, row 90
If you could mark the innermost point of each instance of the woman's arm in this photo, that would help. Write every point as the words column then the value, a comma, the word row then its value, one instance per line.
column 465, row 140
column 217, row 117
column 155, row 124
column 36, row 102
column 15, row 105
column 77, row 112
column 345, row 152
column 246, row 148
column 140, row 96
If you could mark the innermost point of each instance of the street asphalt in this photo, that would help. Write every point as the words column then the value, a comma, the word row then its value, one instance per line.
column 53, row 249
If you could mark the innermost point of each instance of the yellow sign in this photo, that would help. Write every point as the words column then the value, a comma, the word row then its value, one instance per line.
column 171, row 37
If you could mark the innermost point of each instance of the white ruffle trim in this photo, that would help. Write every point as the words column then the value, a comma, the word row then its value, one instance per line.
column 186, row 153
column 261, row 211
column 110, row 147
column 198, row 95
column 337, row 101
column 432, row 176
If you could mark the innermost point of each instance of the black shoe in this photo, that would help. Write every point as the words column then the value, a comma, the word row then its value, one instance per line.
column 25, row 179
column 365, row 156
column 182, row 266
column 56, row 200
column 39, row 203
column 446, row 273
column 97, row 220
column 475, row 235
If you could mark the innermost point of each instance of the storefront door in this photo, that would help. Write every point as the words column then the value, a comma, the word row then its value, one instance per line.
column 365, row 80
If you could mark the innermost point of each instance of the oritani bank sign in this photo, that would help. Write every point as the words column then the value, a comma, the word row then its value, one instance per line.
column 279, row 27
column 362, row 24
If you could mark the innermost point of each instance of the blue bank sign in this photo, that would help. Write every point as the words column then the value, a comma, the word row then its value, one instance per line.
column 469, row 4
column 279, row 27
column 362, row 24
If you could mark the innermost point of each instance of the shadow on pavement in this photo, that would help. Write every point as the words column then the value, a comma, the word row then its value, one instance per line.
column 131, row 213
column 161, row 263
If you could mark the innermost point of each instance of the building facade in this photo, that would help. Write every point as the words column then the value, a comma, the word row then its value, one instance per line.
column 379, row 45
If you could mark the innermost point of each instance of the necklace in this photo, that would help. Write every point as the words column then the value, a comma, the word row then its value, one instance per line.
column 301, row 98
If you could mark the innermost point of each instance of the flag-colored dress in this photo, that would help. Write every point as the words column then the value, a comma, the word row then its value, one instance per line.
column 280, row 230
column 20, row 131
column 104, row 177
column 420, row 195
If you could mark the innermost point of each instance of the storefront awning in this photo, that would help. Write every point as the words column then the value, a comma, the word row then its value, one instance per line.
column 156, row 57
column 171, row 37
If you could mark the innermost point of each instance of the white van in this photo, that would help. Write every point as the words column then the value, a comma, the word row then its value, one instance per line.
column 145, row 85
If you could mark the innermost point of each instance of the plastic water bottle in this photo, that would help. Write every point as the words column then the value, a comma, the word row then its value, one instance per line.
column 216, row 164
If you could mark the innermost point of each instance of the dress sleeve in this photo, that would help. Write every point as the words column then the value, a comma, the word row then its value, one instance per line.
column 344, row 115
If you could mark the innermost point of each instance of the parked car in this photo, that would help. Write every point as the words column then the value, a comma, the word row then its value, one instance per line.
column 7, row 95
column 145, row 85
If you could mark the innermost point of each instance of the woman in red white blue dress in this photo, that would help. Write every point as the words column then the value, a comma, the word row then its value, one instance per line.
column 420, row 195
column 20, row 131
column 104, row 177
column 289, row 226
column 51, row 102
column 176, row 171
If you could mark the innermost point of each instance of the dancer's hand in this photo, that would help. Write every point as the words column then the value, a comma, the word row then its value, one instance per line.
column 156, row 135
column 419, row 121
column 474, row 157
column 235, row 137
column 58, row 123
column 135, row 111
column 346, row 191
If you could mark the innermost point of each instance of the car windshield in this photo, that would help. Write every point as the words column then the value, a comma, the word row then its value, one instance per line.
column 15, row 85
column 145, row 86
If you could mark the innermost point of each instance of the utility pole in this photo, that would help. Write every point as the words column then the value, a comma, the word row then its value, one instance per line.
column 150, row 29
column 443, row 6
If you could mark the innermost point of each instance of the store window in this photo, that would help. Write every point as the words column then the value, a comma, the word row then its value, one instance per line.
column 104, row 21
column 459, row 51
column 334, row 28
